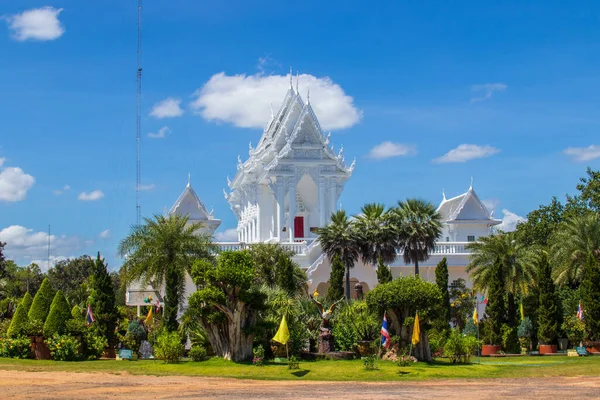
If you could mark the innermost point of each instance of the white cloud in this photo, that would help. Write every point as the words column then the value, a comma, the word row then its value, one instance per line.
column 582, row 154
column 147, row 187
column 105, row 234
column 91, row 196
column 510, row 221
column 57, row 192
column 26, row 246
column 488, row 90
column 167, row 108
column 228, row 235
column 14, row 184
column 491, row 204
column 2, row 160
column 245, row 100
column 466, row 152
column 161, row 134
column 67, row 187
column 36, row 24
column 389, row 149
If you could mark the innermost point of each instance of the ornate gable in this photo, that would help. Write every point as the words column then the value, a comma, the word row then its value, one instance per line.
column 189, row 204
column 464, row 208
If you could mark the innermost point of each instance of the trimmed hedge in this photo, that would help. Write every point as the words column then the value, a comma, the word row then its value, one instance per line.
column 41, row 302
column 19, row 323
column 27, row 302
column 60, row 313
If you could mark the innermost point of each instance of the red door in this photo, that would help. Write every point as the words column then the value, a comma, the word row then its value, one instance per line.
column 299, row 227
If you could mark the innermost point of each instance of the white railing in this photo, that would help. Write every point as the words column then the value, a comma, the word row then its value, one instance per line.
column 449, row 248
column 297, row 247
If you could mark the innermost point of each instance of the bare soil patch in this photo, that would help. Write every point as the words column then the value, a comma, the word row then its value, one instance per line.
column 68, row 385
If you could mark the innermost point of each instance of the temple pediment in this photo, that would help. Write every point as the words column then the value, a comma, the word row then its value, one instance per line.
column 466, row 208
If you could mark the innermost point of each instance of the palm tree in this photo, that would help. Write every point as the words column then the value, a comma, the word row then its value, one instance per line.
column 575, row 246
column 340, row 239
column 417, row 225
column 377, row 236
column 162, row 250
column 518, row 265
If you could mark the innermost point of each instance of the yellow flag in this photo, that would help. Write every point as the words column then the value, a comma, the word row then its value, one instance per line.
column 150, row 318
column 475, row 317
column 522, row 312
column 416, row 336
column 283, row 334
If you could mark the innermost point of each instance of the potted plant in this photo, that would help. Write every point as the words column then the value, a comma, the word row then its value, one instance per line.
column 525, row 332
column 574, row 329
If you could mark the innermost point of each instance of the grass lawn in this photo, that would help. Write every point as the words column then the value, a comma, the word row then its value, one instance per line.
column 517, row 367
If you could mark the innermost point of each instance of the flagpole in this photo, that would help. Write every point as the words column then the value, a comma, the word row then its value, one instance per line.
column 478, row 349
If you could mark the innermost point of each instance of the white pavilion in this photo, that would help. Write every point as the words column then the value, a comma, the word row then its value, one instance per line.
column 289, row 186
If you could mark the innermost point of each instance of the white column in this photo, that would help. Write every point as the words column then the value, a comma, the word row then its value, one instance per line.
column 292, row 210
column 332, row 197
column 280, row 207
column 322, row 206
column 258, row 216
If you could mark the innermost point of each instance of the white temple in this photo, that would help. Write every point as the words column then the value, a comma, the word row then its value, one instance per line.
column 289, row 186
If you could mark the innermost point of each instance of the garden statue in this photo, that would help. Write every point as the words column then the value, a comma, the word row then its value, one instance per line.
column 146, row 351
column 325, row 336
column 358, row 288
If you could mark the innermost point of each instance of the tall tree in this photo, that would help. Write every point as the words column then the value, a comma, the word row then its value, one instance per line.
column 160, row 252
column 574, row 247
column 340, row 239
column 441, row 279
column 417, row 225
column 68, row 275
column 549, row 313
column 275, row 267
column 102, row 299
column 591, row 300
column 589, row 194
column 2, row 261
column 336, row 280
column 495, row 310
column 377, row 239
column 540, row 224
column 41, row 302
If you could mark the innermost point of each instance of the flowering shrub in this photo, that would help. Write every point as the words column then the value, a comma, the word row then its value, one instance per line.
column 95, row 345
column 168, row 347
column 18, row 347
column 259, row 355
column 63, row 347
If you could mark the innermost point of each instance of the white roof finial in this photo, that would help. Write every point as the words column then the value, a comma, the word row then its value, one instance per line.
column 308, row 95
column 471, row 187
column 189, row 179
column 443, row 195
column 291, row 74
column 272, row 113
column 297, row 79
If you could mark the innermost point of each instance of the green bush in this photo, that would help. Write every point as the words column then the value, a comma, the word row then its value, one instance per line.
column 470, row 328
column 355, row 322
column 168, row 347
column 369, row 362
column 459, row 348
column 510, row 339
column 259, row 355
column 41, row 302
column 27, row 302
column 63, row 347
column 95, row 344
column 437, row 339
column 574, row 328
column 60, row 313
column 17, row 347
column 75, row 327
column 77, row 313
column 18, row 325
column 197, row 353
column 4, row 324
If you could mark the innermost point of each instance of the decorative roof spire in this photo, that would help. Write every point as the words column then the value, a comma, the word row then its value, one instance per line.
column 471, row 187
column 308, row 95
column 272, row 113
column 291, row 74
column 297, row 79
column 443, row 195
column 189, row 179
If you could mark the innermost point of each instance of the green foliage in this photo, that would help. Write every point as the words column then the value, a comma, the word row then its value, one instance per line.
column 35, row 327
column 41, row 302
column 75, row 327
column 355, row 322
column 16, row 347
column 102, row 299
column 341, row 239
column 589, row 191
column 510, row 339
column 540, row 224
column 63, row 347
column 574, row 329
column 459, row 348
column 591, row 301
column 437, row 339
column 168, row 347
column 68, row 275
column 470, row 328
column 197, row 353
column 336, row 280
column 163, row 249
column 77, row 312
column 370, row 362
column 293, row 362
column 94, row 344
column 60, row 313
column 417, row 225
column 27, row 302
column 384, row 274
column 18, row 325
column 20, row 280
column 495, row 310
column 549, row 313
column 441, row 280
column 274, row 267
column 258, row 354
column 525, row 329
column 462, row 304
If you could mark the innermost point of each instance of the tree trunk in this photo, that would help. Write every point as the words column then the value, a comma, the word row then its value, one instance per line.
column 421, row 350
column 416, row 267
column 348, row 282
column 228, row 339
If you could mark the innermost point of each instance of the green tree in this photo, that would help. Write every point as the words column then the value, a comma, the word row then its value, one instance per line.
column 377, row 239
column 340, row 239
column 119, row 287
column 228, row 303
column 275, row 267
column 495, row 310
column 102, row 299
column 160, row 252
column 591, row 301
column 462, row 303
column 401, row 299
column 2, row 260
column 418, row 226
column 441, row 280
column 19, row 322
column 574, row 247
column 60, row 313
column 589, row 194
column 41, row 302
column 549, row 312
column 68, row 275
column 540, row 224
column 336, row 280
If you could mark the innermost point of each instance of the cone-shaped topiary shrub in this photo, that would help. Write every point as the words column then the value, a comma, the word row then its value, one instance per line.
column 27, row 301
column 41, row 302
column 60, row 313
column 19, row 322
column 76, row 312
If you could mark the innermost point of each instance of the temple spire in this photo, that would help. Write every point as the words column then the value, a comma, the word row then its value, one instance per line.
column 291, row 75
column 189, row 179
column 308, row 95
column 297, row 79
column 471, row 187
column 443, row 195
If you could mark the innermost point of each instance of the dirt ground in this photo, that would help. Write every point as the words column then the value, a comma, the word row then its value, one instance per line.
column 65, row 385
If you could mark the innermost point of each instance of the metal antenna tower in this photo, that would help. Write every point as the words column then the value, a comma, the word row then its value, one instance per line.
column 138, row 117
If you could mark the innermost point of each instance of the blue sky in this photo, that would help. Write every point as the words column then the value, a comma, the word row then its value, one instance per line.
column 515, row 84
